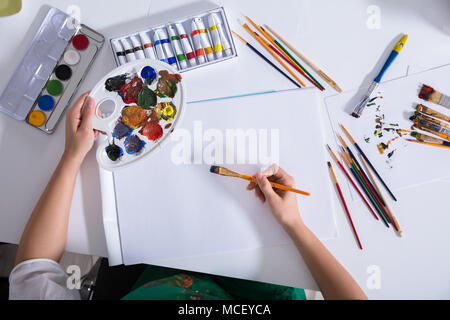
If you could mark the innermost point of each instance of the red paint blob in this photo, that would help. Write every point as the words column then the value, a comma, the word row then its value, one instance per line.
column 152, row 131
column 80, row 42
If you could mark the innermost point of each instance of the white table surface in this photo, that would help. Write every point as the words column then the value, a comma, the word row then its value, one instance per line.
column 335, row 36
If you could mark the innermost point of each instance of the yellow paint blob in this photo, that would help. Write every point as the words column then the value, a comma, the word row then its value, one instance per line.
column 36, row 118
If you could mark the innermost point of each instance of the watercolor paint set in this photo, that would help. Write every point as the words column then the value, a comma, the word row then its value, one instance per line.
column 56, row 62
column 185, row 44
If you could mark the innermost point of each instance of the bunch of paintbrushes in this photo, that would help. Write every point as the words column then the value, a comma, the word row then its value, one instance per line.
column 284, row 57
column 365, row 177
column 431, row 121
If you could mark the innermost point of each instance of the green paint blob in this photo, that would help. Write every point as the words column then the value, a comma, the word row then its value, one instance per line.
column 146, row 98
column 54, row 87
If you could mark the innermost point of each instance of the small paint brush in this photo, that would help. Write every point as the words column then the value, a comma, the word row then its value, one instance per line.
column 388, row 209
column 368, row 161
column 230, row 173
column 351, row 166
column 258, row 38
column 265, row 59
column 394, row 53
column 341, row 196
column 429, row 143
column 425, row 138
column 351, row 180
column 428, row 111
column 322, row 74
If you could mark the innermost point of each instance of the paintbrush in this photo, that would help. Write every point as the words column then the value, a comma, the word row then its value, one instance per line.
column 428, row 111
column 431, row 127
column 427, row 93
column 265, row 59
column 351, row 180
column 425, row 138
column 343, row 202
column 397, row 49
column 259, row 39
column 368, row 161
column 322, row 74
column 230, row 173
column 388, row 209
column 429, row 144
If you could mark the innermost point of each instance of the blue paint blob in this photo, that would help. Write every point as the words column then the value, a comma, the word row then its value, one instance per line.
column 133, row 144
column 149, row 74
column 46, row 102
column 121, row 130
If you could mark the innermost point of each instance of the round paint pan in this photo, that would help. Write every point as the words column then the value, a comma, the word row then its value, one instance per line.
column 111, row 118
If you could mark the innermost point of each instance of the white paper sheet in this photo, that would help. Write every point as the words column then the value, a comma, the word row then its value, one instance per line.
column 412, row 164
column 169, row 211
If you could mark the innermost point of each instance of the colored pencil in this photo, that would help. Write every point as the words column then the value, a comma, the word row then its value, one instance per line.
column 352, row 182
column 368, row 161
column 229, row 173
column 304, row 71
column 391, row 214
column 281, row 55
column 351, row 166
column 429, row 143
column 265, row 59
column 258, row 38
column 322, row 74
column 343, row 202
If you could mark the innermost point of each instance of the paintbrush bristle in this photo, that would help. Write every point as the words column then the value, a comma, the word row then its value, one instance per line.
column 224, row 171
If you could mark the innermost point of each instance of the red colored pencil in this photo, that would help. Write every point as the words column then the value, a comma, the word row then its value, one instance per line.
column 353, row 183
column 345, row 204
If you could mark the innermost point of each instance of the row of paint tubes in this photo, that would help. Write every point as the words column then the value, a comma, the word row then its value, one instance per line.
column 144, row 48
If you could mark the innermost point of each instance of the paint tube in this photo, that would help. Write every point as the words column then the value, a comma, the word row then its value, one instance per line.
column 186, row 44
column 206, row 44
column 120, row 53
column 148, row 46
column 137, row 47
column 159, row 48
column 199, row 52
column 181, row 57
column 129, row 53
column 166, row 46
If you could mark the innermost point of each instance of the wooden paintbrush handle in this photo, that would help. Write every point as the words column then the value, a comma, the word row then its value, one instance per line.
column 276, row 185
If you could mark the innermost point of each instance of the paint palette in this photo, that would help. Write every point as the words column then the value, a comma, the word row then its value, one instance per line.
column 48, row 76
column 139, row 104
column 185, row 44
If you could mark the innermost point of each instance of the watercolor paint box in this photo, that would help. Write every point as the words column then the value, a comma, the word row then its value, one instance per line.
column 56, row 62
column 207, row 41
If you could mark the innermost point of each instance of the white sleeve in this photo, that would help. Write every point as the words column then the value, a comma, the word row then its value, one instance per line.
column 40, row 279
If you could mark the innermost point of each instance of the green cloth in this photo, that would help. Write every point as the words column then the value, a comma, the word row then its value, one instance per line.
column 159, row 283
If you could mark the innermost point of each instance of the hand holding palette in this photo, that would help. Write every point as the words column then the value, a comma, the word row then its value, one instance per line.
column 139, row 104
column 51, row 71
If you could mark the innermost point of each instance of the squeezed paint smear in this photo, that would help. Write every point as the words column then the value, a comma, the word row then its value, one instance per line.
column 367, row 139
column 167, row 110
column 146, row 98
column 154, row 116
column 114, row 83
column 148, row 74
column 167, row 126
column 130, row 91
column 390, row 154
column 134, row 116
column 113, row 151
column 152, row 131
column 121, row 130
column 381, row 147
column 167, row 84
column 133, row 144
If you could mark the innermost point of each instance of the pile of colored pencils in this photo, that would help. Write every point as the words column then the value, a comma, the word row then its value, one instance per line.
column 284, row 57
column 364, row 175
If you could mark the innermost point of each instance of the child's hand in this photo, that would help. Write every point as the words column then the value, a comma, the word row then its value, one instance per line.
column 282, row 204
column 80, row 135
